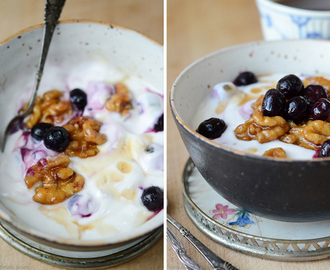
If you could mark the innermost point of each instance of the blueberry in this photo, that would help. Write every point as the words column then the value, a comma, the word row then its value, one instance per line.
column 212, row 128
column 321, row 109
column 273, row 103
column 153, row 198
column 159, row 125
column 78, row 99
column 297, row 109
column 38, row 130
column 290, row 86
column 245, row 78
column 314, row 92
column 56, row 138
column 325, row 149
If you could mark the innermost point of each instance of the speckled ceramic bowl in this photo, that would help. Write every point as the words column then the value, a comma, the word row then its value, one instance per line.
column 74, row 43
column 286, row 190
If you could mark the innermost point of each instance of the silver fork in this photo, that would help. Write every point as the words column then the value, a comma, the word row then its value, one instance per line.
column 214, row 260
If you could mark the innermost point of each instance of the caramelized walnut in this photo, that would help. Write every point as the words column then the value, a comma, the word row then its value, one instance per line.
column 121, row 101
column 262, row 128
column 310, row 135
column 49, row 109
column 58, row 181
column 84, row 137
column 277, row 152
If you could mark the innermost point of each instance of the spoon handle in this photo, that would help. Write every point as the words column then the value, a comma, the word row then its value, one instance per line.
column 53, row 9
column 213, row 259
column 180, row 251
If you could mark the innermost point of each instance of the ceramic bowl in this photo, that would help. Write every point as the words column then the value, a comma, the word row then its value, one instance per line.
column 74, row 43
column 279, row 21
column 286, row 190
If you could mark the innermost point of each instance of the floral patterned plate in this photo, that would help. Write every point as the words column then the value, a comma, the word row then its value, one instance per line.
column 243, row 231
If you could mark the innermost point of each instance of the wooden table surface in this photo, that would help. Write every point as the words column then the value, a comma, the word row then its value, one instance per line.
column 196, row 28
column 145, row 16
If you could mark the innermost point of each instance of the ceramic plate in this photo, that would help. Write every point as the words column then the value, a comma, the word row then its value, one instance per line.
column 244, row 231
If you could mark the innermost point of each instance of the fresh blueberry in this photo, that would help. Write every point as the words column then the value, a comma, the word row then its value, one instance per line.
column 273, row 103
column 78, row 99
column 314, row 92
column 325, row 149
column 56, row 138
column 212, row 128
column 245, row 78
column 38, row 130
column 153, row 198
column 290, row 86
column 159, row 125
column 321, row 109
column 297, row 109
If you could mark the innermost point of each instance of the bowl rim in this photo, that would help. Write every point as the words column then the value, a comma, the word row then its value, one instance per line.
column 73, row 21
column 61, row 242
column 218, row 146
column 293, row 10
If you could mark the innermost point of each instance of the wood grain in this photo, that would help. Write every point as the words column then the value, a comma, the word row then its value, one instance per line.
column 196, row 28
column 144, row 16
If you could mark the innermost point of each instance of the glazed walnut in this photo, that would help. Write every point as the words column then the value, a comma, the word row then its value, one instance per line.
column 260, row 127
column 49, row 109
column 84, row 137
column 58, row 180
column 121, row 101
column 277, row 152
column 310, row 135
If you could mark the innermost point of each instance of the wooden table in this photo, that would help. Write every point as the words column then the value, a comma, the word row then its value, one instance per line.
column 145, row 16
column 196, row 28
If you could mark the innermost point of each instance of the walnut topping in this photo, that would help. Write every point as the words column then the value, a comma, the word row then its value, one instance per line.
column 260, row 127
column 84, row 137
column 277, row 152
column 121, row 101
column 49, row 109
column 58, row 181
column 310, row 135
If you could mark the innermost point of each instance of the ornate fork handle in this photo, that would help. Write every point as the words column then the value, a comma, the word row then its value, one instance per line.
column 180, row 251
column 213, row 259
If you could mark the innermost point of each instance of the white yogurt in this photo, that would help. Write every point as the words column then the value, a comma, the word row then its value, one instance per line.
column 233, row 105
column 110, row 201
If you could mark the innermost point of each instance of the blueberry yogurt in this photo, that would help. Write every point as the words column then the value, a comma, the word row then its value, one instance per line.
column 88, row 162
column 273, row 115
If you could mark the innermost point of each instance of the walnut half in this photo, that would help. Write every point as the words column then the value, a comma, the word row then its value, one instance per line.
column 121, row 101
column 49, row 109
column 58, row 181
column 84, row 137
column 277, row 152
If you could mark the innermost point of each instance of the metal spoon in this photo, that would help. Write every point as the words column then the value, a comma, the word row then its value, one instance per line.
column 180, row 251
column 53, row 9
column 214, row 260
